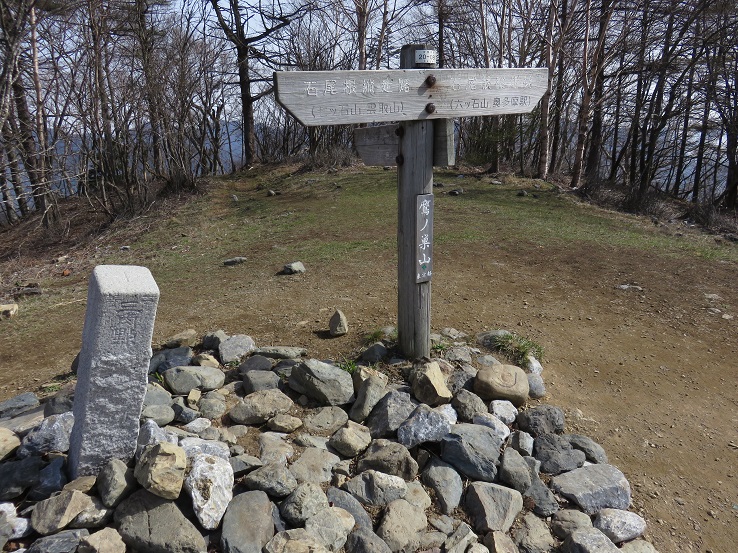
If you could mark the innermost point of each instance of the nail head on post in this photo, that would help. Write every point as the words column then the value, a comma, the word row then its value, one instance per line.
column 430, row 108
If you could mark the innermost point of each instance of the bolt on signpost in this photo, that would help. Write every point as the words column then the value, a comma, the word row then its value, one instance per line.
column 425, row 100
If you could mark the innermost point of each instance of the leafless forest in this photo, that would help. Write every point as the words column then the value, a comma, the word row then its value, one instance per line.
column 111, row 99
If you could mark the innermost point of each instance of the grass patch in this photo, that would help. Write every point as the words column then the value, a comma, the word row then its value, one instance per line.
column 518, row 348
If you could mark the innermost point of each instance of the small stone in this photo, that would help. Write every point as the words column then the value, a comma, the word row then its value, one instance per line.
column 294, row 268
column 115, row 482
column 473, row 450
column 233, row 349
column 467, row 404
column 503, row 410
column 247, row 524
column 259, row 407
column 460, row 540
column 638, row 546
column 54, row 514
column 338, row 325
column 325, row 420
column 297, row 540
column 273, row 479
column 423, row 425
column 331, row 526
column 370, row 391
column 492, row 507
column 500, row 429
column 243, row 464
column 566, row 521
column 401, row 523
column 389, row 413
column 376, row 488
column 327, row 384
column 500, row 542
column 536, row 386
column 180, row 380
column 95, row 515
column 305, row 501
column 533, row 365
column 256, row 381
column 556, row 454
column 8, row 310
column 230, row 262
column 594, row 451
column 533, row 536
column 281, row 352
column 343, row 499
column 363, row 540
column 205, row 360
column 374, row 353
column 542, row 419
column 594, row 487
column 522, row 442
column 588, row 540
column 416, row 495
column 390, row 458
column 255, row 362
column 160, row 470
column 66, row 541
column 187, row 338
column 210, row 484
column 514, row 471
column 107, row 540
column 446, row 482
column 197, row 425
column 502, row 382
column 620, row 525
column 273, row 448
column 160, row 414
column 52, row 435
column 428, row 384
column 314, row 465
column 284, row 423
column 351, row 440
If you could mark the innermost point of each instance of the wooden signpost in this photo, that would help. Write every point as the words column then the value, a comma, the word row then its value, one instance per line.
column 425, row 100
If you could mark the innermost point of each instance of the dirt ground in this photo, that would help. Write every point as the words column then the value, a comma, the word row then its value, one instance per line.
column 651, row 374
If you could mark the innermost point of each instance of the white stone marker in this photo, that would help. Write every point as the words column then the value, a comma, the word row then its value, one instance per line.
column 113, row 366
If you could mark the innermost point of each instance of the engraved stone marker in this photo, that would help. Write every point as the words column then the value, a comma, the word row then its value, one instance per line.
column 113, row 366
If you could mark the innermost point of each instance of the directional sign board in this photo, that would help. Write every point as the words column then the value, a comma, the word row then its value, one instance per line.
column 341, row 97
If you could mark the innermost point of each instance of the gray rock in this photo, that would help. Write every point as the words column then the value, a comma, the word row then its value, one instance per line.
column 363, row 540
column 294, row 268
column 417, row 495
column 256, row 381
column 212, row 340
column 444, row 524
column 619, row 525
column 107, row 540
column 183, row 413
column 230, row 262
column 536, row 386
column 522, row 442
column 588, row 540
column 556, row 454
column 401, row 523
column 460, row 540
column 161, row 468
column 459, row 354
column 64, row 542
column 273, row 479
column 502, row 382
column 503, row 410
column 243, row 464
column 446, row 482
column 259, row 407
column 297, row 540
column 389, row 413
column 314, row 465
column 390, row 458
column 281, row 352
column 168, row 358
column 533, row 536
column 233, row 349
column 95, row 515
column 327, row 384
column 284, row 423
column 594, row 487
column 488, row 360
column 52, row 435
column 338, row 325
column 17, row 405
column 180, row 380
column 638, row 546
column 374, row 353
column 210, row 485
column 351, row 440
column 305, row 501
column 490, row 421
column 25, row 422
column 52, row 478
column 473, row 450
column 499, row 542
column 345, row 500
column 376, row 488
column 193, row 446
column 255, row 362
column 13, row 527
column 369, row 393
column 542, row 419
column 460, row 380
column 428, row 384
column 423, row 425
column 533, row 365
column 594, row 451
column 331, row 527
column 468, row 404
column 54, row 514
column 160, row 414
column 247, row 523
column 544, row 502
column 325, row 420
column 115, row 482
column 59, row 403
column 492, row 508
column 566, row 521
column 17, row 476
column 212, row 408
column 514, row 471
column 274, row 449
column 448, row 412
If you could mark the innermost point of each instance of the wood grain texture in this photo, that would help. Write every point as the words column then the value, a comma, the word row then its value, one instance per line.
column 377, row 146
column 343, row 97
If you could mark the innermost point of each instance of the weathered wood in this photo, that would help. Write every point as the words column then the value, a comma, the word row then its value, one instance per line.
column 414, row 177
column 444, row 147
column 341, row 97
column 378, row 146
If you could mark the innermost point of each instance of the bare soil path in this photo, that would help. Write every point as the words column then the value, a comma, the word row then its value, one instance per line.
column 651, row 374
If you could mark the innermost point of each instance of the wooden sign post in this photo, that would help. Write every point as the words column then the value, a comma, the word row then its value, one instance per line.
column 424, row 100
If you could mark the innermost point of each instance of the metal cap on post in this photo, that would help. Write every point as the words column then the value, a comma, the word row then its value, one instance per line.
column 415, row 184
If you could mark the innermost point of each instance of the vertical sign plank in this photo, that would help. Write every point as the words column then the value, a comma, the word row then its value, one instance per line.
column 424, row 238
column 414, row 178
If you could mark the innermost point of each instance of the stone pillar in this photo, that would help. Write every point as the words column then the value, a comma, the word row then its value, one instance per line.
column 113, row 366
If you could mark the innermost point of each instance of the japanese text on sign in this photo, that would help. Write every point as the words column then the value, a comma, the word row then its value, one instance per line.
column 424, row 238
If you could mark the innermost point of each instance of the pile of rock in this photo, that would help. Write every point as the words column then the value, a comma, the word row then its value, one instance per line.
column 245, row 449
